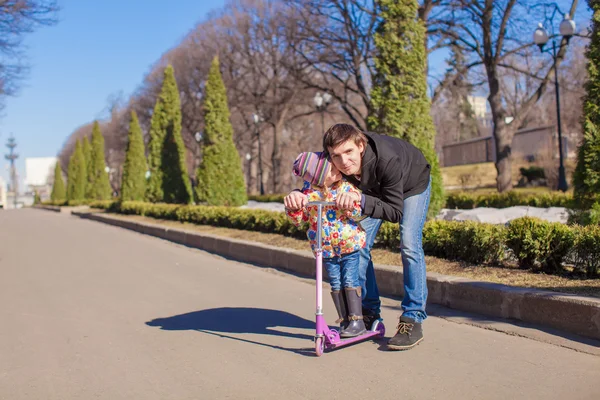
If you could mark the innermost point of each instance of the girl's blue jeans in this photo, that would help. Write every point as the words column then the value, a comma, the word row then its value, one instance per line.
column 343, row 271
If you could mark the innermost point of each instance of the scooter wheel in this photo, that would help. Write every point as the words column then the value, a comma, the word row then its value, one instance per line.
column 378, row 327
column 320, row 346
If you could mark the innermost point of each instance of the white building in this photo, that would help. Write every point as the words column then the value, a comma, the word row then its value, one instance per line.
column 39, row 174
column 479, row 106
column 3, row 190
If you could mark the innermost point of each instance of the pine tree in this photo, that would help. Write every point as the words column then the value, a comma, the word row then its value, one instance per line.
column 58, row 187
column 87, row 156
column 586, row 179
column 399, row 99
column 169, row 181
column 220, row 177
column 99, row 185
column 133, row 186
column 76, row 176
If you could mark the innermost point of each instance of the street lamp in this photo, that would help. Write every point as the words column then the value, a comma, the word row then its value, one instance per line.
column 321, row 103
column 541, row 37
column 198, row 138
column 249, row 159
column 257, row 120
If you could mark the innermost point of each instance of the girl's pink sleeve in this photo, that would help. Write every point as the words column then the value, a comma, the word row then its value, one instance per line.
column 299, row 216
column 296, row 216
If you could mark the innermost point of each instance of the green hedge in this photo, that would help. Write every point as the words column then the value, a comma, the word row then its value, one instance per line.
column 533, row 243
column 69, row 203
column 465, row 200
column 267, row 198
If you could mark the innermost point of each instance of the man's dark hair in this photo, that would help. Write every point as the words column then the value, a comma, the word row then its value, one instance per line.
column 340, row 133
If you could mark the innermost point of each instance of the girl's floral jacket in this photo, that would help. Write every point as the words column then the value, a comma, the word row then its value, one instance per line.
column 341, row 233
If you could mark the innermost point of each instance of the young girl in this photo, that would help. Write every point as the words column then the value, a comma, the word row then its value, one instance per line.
column 342, row 236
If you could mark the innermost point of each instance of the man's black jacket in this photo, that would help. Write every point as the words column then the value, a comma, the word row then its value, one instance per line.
column 392, row 170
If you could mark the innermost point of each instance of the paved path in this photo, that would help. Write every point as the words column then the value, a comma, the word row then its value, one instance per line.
column 89, row 311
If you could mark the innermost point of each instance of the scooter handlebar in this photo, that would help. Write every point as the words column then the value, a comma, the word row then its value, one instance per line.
column 321, row 203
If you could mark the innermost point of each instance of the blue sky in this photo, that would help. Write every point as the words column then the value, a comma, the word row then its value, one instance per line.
column 97, row 49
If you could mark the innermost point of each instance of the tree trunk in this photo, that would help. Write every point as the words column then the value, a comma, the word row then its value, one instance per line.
column 275, row 158
column 503, row 135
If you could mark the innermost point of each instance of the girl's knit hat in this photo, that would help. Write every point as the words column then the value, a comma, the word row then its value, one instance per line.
column 312, row 167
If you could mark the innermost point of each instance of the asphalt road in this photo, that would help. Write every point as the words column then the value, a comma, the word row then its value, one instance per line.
column 89, row 311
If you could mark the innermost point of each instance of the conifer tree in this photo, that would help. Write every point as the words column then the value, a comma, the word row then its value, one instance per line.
column 586, row 179
column 99, row 186
column 87, row 156
column 133, row 186
column 220, row 176
column 76, row 176
column 58, row 187
column 169, row 181
column 399, row 96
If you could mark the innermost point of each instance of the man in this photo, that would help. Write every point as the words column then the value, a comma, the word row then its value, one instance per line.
column 394, row 178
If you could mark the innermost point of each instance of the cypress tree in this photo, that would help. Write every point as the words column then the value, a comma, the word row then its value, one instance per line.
column 586, row 179
column 99, row 185
column 169, row 181
column 134, row 171
column 399, row 99
column 76, row 176
column 220, row 176
column 87, row 156
column 58, row 187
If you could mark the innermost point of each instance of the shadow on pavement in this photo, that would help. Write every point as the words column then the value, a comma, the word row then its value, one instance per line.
column 240, row 320
column 510, row 326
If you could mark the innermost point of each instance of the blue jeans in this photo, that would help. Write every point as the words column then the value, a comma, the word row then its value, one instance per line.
column 343, row 269
column 413, row 259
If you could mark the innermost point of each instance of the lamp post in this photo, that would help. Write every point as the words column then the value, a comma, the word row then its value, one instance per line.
column 257, row 120
column 198, row 138
column 249, row 159
column 541, row 37
column 321, row 103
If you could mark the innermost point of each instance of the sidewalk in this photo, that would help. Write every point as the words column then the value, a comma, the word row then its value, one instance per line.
column 569, row 313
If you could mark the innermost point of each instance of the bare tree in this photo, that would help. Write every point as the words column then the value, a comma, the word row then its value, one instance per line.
column 493, row 34
column 17, row 18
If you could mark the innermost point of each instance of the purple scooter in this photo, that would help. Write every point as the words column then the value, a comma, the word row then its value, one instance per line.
column 326, row 338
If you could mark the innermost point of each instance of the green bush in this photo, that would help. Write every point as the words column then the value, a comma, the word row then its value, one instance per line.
column 532, row 173
column 587, row 250
column 466, row 201
column 267, row 198
column 586, row 217
column 540, row 244
column 535, row 243
column 468, row 241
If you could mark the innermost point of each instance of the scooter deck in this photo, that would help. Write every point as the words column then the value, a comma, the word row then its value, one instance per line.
column 346, row 341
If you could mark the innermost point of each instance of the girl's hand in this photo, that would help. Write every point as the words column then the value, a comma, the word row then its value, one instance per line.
column 346, row 200
column 295, row 201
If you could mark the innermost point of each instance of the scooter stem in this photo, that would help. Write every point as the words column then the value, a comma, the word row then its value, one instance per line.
column 319, row 272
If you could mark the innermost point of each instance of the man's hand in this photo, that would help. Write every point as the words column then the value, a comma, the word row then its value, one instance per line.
column 346, row 200
column 295, row 200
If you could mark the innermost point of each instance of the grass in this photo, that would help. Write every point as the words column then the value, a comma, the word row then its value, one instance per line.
column 484, row 175
column 504, row 275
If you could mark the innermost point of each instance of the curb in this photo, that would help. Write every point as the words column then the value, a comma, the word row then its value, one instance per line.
column 62, row 209
column 569, row 313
